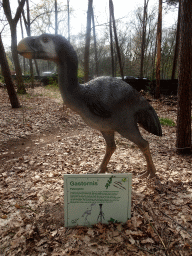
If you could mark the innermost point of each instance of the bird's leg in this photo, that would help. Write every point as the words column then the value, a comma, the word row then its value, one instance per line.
column 110, row 148
column 150, row 165
column 133, row 134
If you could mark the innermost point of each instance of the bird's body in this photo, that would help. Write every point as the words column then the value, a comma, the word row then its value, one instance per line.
column 102, row 113
column 107, row 104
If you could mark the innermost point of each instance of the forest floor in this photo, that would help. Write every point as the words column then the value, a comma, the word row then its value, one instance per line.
column 43, row 140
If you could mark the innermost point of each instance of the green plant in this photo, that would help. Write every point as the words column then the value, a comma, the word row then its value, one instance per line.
column 27, row 78
column 167, row 122
column 80, row 75
column 29, row 95
column 53, row 80
column 21, row 91
column 52, row 91
column 52, row 87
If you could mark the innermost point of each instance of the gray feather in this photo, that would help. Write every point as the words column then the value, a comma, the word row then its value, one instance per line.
column 149, row 120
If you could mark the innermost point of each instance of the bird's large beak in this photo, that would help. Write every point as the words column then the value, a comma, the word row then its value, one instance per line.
column 24, row 49
column 31, row 48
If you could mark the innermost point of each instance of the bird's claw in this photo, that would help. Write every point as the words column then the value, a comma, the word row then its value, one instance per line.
column 100, row 170
column 147, row 174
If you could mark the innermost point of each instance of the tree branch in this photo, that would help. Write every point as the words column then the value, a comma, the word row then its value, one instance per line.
column 40, row 15
column 7, row 10
column 19, row 10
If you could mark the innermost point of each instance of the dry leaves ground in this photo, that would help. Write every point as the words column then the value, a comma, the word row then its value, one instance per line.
column 42, row 140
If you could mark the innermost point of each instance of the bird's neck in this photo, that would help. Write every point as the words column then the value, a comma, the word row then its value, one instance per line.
column 68, row 82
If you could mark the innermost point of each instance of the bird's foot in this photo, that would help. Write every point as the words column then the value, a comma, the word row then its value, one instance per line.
column 148, row 174
column 100, row 170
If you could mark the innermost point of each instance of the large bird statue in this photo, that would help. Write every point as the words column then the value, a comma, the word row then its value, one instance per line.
column 105, row 103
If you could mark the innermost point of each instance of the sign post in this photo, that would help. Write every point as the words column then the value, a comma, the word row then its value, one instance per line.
column 94, row 198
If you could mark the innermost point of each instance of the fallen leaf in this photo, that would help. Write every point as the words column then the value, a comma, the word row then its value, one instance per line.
column 147, row 241
column 17, row 206
column 3, row 216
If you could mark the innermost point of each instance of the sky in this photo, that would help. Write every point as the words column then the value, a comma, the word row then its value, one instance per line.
column 122, row 9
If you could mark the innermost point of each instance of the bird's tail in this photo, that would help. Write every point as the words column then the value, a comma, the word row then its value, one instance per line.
column 149, row 120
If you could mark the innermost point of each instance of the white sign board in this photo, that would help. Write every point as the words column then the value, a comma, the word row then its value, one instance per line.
column 93, row 198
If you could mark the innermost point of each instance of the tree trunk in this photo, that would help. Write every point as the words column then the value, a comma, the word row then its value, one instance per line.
column 87, row 43
column 95, row 44
column 158, row 64
column 183, row 142
column 111, row 43
column 20, row 84
column 116, row 38
column 7, row 76
column 28, row 29
column 13, row 25
column 56, row 22
column 68, row 20
column 153, row 60
column 143, row 37
column 37, row 68
column 22, row 38
column 176, row 44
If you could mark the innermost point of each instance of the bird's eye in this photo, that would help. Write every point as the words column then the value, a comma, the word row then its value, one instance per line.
column 45, row 39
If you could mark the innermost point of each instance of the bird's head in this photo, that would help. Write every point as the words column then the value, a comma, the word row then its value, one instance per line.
column 47, row 47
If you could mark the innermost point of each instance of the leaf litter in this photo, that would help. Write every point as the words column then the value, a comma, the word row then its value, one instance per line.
column 43, row 140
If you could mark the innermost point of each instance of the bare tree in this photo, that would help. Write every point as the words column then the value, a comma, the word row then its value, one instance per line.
column 87, row 43
column 68, row 13
column 56, row 19
column 158, row 64
column 177, row 43
column 22, row 34
column 143, row 36
column 149, row 46
column 183, row 142
column 28, row 29
column 111, row 45
column 172, row 2
column 95, row 43
column 13, row 24
column 27, row 22
column 43, row 17
column 111, row 8
column 7, row 77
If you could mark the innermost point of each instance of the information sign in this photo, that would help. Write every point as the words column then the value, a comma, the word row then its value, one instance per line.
column 93, row 198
